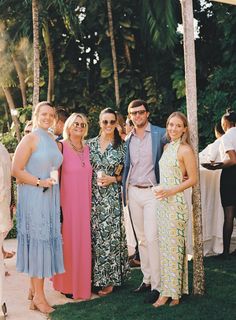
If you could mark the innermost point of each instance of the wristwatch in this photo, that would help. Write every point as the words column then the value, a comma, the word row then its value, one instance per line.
column 38, row 182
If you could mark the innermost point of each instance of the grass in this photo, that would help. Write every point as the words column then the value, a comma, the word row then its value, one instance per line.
column 219, row 302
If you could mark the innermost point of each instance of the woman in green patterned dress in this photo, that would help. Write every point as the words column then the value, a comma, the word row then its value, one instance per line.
column 109, row 250
column 178, row 172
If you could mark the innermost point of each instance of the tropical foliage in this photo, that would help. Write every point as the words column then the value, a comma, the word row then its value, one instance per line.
column 77, row 65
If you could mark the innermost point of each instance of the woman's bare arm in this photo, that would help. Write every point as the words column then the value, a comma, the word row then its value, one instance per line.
column 22, row 155
column 187, row 158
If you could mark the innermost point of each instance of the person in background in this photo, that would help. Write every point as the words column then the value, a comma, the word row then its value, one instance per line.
column 145, row 144
column 121, row 125
column 134, row 259
column 76, row 194
column 216, row 152
column 213, row 152
column 132, row 241
column 5, row 216
column 128, row 126
column 39, row 251
column 28, row 127
column 60, row 119
column 228, row 178
column 109, row 251
column 218, row 130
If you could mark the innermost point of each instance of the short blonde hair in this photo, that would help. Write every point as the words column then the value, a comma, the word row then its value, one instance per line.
column 185, row 139
column 37, row 110
column 69, row 122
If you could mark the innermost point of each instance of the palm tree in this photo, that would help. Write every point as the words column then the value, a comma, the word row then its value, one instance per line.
column 6, row 80
column 51, row 71
column 18, row 32
column 35, row 15
column 21, row 77
column 113, row 51
column 13, row 111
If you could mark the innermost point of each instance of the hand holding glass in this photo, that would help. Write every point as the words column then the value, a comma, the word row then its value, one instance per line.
column 54, row 175
column 100, row 175
column 157, row 189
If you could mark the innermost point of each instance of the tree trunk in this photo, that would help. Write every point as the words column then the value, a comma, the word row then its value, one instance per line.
column 113, row 51
column 191, row 99
column 21, row 80
column 13, row 111
column 47, row 41
column 7, row 116
column 127, row 53
column 35, row 14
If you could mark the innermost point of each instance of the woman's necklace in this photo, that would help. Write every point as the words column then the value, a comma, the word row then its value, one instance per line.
column 79, row 151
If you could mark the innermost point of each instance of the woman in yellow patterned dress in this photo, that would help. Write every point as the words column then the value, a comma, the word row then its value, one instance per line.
column 177, row 173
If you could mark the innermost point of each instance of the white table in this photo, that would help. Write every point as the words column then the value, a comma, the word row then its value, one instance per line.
column 212, row 213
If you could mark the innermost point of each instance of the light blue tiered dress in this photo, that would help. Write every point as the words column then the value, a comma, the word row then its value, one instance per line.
column 38, row 215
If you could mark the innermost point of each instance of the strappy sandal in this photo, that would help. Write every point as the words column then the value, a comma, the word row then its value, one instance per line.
column 105, row 291
column 160, row 302
column 174, row 302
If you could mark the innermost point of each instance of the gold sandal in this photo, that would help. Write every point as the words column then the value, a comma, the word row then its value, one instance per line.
column 160, row 302
column 174, row 302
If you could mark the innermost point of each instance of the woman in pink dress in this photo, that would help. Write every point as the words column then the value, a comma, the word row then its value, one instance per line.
column 76, row 177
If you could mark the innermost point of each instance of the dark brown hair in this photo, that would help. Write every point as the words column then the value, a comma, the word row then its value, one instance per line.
column 137, row 103
column 230, row 116
column 61, row 114
column 117, row 138
column 218, row 128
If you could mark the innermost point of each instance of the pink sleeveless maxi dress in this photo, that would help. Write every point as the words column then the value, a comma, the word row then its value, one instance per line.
column 76, row 177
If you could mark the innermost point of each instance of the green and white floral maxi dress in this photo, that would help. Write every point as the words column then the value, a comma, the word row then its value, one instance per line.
column 172, row 218
column 109, row 249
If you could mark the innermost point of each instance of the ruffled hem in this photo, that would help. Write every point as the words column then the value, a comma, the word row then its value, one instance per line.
column 39, row 258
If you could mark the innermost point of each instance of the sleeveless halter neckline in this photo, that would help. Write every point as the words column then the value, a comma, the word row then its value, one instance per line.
column 176, row 141
column 42, row 131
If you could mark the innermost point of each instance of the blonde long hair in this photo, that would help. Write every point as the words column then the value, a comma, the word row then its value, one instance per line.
column 69, row 122
column 185, row 138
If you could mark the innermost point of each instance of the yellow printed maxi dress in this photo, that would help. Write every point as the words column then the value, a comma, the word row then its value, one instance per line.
column 172, row 218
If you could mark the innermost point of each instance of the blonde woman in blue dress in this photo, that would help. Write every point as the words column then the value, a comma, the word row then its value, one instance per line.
column 39, row 252
column 178, row 172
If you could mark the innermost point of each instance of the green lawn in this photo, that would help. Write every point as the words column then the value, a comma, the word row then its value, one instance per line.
column 218, row 303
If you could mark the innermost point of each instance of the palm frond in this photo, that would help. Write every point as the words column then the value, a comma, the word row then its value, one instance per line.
column 159, row 22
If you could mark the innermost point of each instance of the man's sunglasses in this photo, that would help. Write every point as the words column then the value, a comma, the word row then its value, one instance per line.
column 106, row 122
column 81, row 125
column 134, row 113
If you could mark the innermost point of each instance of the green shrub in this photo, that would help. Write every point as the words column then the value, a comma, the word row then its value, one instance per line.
column 9, row 141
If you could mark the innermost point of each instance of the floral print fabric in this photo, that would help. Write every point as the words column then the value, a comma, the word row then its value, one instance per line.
column 109, row 250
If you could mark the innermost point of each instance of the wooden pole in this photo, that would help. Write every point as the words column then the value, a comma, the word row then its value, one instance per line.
column 191, row 99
